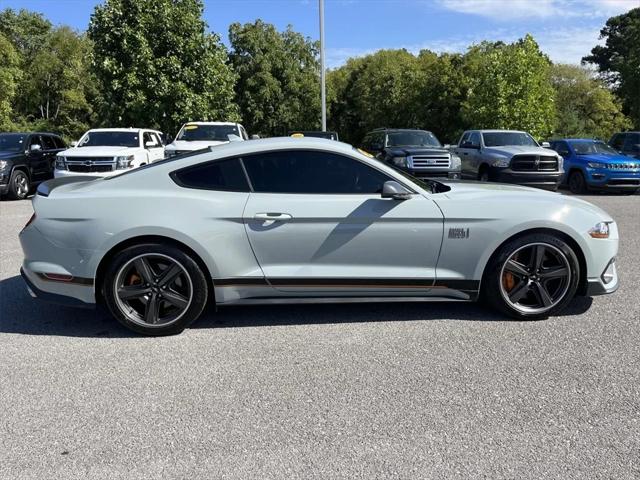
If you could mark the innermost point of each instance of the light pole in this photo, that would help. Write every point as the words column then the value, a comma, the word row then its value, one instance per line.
column 323, row 98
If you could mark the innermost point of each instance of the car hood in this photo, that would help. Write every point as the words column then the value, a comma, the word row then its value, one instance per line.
column 8, row 154
column 405, row 151
column 98, row 151
column 474, row 193
column 604, row 158
column 195, row 145
column 510, row 150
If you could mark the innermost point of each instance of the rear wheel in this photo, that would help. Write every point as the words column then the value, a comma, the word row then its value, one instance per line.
column 19, row 185
column 577, row 183
column 155, row 289
column 532, row 277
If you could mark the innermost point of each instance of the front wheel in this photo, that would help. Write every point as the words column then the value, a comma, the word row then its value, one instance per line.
column 155, row 289
column 577, row 183
column 19, row 185
column 532, row 277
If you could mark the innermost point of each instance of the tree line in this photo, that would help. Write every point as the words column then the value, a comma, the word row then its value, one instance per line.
column 154, row 63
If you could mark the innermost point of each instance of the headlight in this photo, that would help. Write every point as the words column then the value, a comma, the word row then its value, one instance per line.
column 61, row 163
column 400, row 161
column 456, row 162
column 3, row 164
column 597, row 165
column 123, row 163
column 600, row 230
column 560, row 163
column 501, row 163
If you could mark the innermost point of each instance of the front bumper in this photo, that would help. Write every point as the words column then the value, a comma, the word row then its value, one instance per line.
column 598, row 286
column 435, row 173
column 613, row 180
column 544, row 180
column 66, row 173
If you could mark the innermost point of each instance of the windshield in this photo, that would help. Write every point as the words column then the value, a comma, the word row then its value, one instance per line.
column 500, row 139
column 109, row 139
column 586, row 148
column 412, row 139
column 216, row 133
column 11, row 142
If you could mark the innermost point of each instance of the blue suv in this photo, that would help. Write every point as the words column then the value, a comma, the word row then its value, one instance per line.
column 593, row 165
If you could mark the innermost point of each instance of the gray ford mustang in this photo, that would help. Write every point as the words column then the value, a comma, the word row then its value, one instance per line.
column 291, row 220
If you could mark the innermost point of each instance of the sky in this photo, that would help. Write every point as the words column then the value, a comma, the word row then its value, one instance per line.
column 565, row 29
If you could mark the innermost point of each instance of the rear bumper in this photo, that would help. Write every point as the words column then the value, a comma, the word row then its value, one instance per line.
column 49, row 297
column 544, row 180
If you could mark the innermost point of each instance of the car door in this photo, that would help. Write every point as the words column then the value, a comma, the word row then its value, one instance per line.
column 317, row 223
column 563, row 150
column 631, row 146
column 153, row 146
column 37, row 158
column 465, row 154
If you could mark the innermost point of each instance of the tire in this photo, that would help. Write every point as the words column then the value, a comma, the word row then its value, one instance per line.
column 19, row 185
column 155, row 289
column 513, row 281
column 483, row 175
column 577, row 183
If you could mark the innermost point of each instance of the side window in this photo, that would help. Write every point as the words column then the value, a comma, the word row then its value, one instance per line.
column 226, row 175
column 631, row 142
column 59, row 143
column 314, row 172
column 156, row 138
column 243, row 133
column 617, row 141
column 47, row 142
column 464, row 138
column 474, row 138
column 35, row 140
column 377, row 141
column 147, row 137
column 366, row 141
column 561, row 147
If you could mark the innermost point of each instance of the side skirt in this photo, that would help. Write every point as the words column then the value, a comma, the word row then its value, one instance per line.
column 330, row 300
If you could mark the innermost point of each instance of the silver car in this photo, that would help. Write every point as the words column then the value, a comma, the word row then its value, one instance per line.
column 292, row 220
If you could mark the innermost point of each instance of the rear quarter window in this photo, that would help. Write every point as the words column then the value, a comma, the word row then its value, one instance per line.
column 224, row 175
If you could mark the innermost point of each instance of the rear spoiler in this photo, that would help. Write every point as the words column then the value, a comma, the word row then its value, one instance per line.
column 45, row 188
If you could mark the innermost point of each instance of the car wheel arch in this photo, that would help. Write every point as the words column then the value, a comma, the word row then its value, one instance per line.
column 571, row 241
column 145, row 239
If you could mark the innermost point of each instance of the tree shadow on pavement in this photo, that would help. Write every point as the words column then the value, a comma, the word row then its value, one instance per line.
column 21, row 314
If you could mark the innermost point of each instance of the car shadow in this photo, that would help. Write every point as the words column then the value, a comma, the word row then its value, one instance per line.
column 21, row 314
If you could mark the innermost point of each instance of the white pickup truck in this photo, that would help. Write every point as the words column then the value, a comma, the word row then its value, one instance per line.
column 198, row 135
column 103, row 152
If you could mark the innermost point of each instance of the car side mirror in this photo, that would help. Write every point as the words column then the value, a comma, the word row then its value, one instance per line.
column 255, row 137
column 470, row 145
column 545, row 145
column 149, row 144
column 233, row 137
column 395, row 191
column 35, row 148
column 74, row 144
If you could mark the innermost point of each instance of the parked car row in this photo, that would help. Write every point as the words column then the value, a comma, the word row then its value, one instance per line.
column 507, row 156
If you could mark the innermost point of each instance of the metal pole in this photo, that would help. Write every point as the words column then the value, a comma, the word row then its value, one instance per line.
column 323, row 98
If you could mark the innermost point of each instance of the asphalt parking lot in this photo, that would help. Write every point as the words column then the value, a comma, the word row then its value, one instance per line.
column 350, row 391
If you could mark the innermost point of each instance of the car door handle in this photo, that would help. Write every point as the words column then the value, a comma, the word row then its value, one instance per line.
column 272, row 217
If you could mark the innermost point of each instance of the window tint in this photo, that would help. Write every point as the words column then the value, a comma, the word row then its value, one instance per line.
column 617, row 141
column 474, row 138
column 59, row 142
column 221, row 175
column 631, row 142
column 464, row 138
column 47, row 142
column 561, row 148
column 312, row 172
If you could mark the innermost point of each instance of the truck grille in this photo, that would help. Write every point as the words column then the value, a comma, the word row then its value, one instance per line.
column 534, row 163
column 430, row 161
column 91, row 164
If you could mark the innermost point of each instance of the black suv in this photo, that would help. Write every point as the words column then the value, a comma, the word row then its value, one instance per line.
column 417, row 152
column 26, row 159
column 627, row 143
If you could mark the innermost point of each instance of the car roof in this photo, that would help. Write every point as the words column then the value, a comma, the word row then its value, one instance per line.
column 31, row 133
column 399, row 130
column 497, row 130
column 210, row 123
column 578, row 140
column 124, row 129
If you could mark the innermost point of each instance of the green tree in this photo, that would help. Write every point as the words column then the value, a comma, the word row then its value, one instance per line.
column 510, row 88
column 25, row 30
column 9, row 77
column 278, row 84
column 157, row 66
column 585, row 107
column 619, row 59
column 378, row 90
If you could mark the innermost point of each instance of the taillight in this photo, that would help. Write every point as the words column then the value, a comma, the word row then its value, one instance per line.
column 33, row 217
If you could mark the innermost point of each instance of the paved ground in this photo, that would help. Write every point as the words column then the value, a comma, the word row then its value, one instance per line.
column 358, row 391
